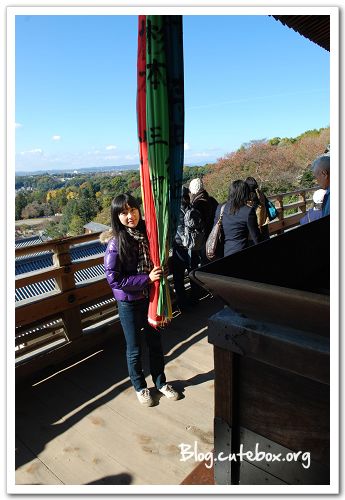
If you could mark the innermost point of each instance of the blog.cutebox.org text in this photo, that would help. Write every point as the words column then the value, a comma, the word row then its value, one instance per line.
column 188, row 452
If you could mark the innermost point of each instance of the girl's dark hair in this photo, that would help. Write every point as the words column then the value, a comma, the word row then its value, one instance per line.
column 253, row 185
column 238, row 195
column 126, row 245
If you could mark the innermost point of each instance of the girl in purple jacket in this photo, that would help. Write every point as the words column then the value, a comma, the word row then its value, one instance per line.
column 130, row 271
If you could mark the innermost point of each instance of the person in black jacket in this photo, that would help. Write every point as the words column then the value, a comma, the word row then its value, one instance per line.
column 180, row 255
column 239, row 219
column 207, row 206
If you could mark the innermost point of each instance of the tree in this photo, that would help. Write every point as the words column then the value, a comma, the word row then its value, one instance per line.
column 307, row 178
column 87, row 206
column 32, row 210
column 278, row 166
column 53, row 230
column 67, row 213
column 47, row 210
column 104, row 217
column 76, row 226
column 105, row 201
column 20, row 203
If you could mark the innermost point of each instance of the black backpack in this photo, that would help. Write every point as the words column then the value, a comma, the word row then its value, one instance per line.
column 194, row 229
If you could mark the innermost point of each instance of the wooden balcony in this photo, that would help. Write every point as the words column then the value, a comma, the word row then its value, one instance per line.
column 80, row 423
column 77, row 418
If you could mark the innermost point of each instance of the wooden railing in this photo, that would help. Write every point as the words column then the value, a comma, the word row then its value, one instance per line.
column 55, row 325
column 298, row 208
column 74, row 317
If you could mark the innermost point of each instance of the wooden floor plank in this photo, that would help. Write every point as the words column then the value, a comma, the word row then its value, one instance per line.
column 74, row 456
column 34, row 471
column 84, row 423
column 146, row 441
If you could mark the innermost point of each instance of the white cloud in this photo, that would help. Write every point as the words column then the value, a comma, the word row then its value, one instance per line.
column 56, row 138
column 112, row 157
column 199, row 155
column 110, row 147
column 18, row 125
column 36, row 151
column 132, row 157
column 186, row 146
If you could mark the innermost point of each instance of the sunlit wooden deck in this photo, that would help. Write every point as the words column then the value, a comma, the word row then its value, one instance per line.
column 83, row 424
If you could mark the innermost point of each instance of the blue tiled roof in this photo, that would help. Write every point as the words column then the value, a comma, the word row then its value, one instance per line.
column 35, row 289
column 43, row 260
column 26, row 242
column 84, row 250
column 30, row 263
column 90, row 273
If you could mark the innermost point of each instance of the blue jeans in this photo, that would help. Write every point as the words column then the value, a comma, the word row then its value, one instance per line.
column 133, row 317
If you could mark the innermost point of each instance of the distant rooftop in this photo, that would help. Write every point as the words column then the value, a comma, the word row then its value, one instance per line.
column 95, row 227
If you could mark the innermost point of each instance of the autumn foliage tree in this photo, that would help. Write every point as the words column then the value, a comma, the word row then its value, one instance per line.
column 279, row 165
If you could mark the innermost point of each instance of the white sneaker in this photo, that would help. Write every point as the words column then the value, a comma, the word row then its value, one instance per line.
column 144, row 397
column 169, row 392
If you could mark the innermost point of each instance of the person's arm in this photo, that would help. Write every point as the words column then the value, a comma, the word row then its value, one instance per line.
column 253, row 227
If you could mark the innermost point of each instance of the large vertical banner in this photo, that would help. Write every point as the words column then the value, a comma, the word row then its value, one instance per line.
column 160, row 112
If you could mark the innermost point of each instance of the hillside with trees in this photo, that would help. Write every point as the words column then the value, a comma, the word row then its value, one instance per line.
column 279, row 165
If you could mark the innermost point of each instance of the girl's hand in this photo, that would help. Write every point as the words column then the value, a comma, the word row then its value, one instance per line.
column 156, row 274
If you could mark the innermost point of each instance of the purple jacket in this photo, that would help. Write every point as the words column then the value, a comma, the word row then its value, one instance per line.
column 126, row 284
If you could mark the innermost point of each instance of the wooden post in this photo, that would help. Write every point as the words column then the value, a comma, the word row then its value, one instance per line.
column 66, row 283
column 280, row 213
column 304, row 199
column 226, row 408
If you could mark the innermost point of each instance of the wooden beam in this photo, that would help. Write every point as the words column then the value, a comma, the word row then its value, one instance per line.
column 51, row 359
column 26, row 279
column 52, row 244
column 56, row 304
column 86, row 264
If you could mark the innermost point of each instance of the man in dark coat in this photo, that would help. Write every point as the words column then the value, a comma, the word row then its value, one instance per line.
column 207, row 206
column 180, row 256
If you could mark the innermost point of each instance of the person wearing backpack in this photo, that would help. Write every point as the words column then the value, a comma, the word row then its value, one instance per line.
column 180, row 254
column 189, row 239
column 206, row 205
column 202, row 211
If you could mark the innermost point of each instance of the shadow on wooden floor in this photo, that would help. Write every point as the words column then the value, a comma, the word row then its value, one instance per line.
column 58, row 399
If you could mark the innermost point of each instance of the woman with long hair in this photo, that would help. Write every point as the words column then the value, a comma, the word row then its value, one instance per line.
column 129, row 272
column 239, row 223
column 258, row 201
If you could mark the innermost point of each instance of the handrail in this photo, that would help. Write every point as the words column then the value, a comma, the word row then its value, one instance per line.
column 51, row 244
column 73, row 307
column 292, row 193
column 288, row 221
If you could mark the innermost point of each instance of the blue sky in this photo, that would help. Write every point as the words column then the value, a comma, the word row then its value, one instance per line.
column 246, row 78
